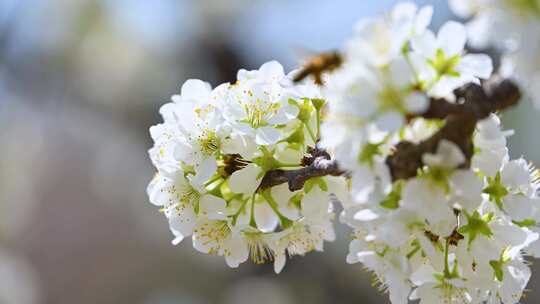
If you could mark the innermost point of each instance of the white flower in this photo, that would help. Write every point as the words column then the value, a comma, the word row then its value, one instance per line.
column 514, row 28
column 391, row 268
column 441, row 63
column 490, row 144
column 432, row 287
column 523, row 63
column 498, row 22
column 299, row 239
column 179, row 198
column 245, row 180
column 192, row 132
column 457, row 232
column 378, row 41
column 429, row 201
column 448, row 156
column 216, row 237
column 409, row 19
column 309, row 232
column 258, row 104
column 466, row 189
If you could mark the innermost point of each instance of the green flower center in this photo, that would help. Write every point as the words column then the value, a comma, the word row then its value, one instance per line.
column 257, row 112
column 209, row 142
column 476, row 225
column 496, row 190
column 391, row 98
column 443, row 65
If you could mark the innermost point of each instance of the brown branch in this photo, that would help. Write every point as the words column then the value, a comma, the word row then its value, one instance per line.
column 319, row 164
column 474, row 102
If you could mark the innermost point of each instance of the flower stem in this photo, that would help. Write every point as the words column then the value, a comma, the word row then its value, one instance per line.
column 446, row 266
column 310, row 131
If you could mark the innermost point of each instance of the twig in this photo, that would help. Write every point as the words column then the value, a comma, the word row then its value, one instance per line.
column 474, row 103
column 318, row 165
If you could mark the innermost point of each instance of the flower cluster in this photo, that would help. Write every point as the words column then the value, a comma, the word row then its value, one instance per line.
column 212, row 151
column 455, row 230
column 452, row 235
column 513, row 26
column 392, row 66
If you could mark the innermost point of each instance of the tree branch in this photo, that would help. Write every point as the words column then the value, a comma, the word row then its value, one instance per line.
column 317, row 165
column 474, row 103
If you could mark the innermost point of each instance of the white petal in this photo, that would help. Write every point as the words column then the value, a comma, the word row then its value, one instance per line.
column 516, row 276
column 284, row 115
column 424, row 274
column 366, row 215
column 423, row 19
column 245, row 180
column 203, row 172
column 426, row 199
column 467, row 189
column 480, row 31
column 515, row 173
column 404, row 11
column 425, row 44
column 167, row 111
column 237, row 251
column 272, row 71
column 267, row 135
column 282, row 195
column 390, row 121
column 153, row 190
column 519, row 207
column 478, row 65
column 196, row 90
column 448, row 155
column 416, row 102
column 401, row 73
column 213, row 207
column 279, row 262
column 315, row 205
column 452, row 38
column 534, row 248
column 265, row 217
column 462, row 8
column 183, row 222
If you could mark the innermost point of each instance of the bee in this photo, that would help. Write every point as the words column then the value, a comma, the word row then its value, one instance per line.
column 317, row 65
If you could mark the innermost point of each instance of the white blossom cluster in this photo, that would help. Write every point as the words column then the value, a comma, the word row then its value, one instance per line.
column 452, row 235
column 457, row 232
column 393, row 65
column 213, row 149
column 513, row 27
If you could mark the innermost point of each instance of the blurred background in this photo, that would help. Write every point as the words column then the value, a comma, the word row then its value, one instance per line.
column 81, row 82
